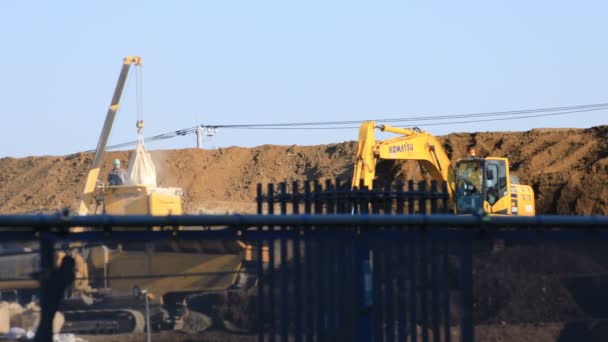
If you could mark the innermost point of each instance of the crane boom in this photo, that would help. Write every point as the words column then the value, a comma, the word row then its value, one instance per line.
column 93, row 173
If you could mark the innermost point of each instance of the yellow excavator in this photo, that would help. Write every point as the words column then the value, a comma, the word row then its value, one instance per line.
column 476, row 185
column 111, row 276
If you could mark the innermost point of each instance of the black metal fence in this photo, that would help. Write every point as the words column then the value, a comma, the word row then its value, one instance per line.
column 360, row 282
column 336, row 197
column 333, row 264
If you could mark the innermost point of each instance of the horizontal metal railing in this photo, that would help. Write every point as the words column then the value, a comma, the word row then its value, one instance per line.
column 303, row 220
column 330, row 256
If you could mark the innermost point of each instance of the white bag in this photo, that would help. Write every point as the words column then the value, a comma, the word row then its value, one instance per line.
column 141, row 168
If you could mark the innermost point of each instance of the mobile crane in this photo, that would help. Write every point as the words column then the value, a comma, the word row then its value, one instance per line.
column 106, row 296
column 132, row 198
column 476, row 185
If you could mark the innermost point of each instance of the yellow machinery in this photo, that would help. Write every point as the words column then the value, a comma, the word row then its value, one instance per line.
column 125, row 199
column 162, row 268
column 102, row 297
column 476, row 185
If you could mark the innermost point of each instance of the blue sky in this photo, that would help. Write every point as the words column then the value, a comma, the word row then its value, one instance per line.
column 224, row 62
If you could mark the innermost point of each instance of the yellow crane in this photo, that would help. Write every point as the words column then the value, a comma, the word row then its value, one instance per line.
column 108, row 273
column 130, row 199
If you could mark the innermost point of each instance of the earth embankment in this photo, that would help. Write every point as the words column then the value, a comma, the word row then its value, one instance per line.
column 568, row 169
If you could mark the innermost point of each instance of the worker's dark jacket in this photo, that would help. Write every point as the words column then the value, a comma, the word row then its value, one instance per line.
column 117, row 177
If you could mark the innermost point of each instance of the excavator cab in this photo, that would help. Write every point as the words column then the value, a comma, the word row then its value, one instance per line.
column 469, row 189
column 480, row 184
column 484, row 186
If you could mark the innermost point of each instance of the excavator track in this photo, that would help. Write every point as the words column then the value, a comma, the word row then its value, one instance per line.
column 120, row 321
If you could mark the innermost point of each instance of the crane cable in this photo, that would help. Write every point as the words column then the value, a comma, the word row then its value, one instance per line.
column 139, row 105
column 139, row 93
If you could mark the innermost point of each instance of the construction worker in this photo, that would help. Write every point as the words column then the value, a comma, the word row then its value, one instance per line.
column 117, row 176
column 475, row 177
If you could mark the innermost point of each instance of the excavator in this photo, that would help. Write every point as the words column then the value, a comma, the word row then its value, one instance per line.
column 480, row 186
column 111, row 276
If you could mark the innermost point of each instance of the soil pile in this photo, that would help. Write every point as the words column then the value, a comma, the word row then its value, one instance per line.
column 540, row 283
column 568, row 169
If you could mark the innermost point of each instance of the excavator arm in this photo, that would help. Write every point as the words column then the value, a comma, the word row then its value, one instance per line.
column 413, row 144
column 93, row 173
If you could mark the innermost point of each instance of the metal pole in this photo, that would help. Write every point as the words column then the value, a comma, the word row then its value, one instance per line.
column 47, row 262
column 466, row 277
column 364, row 274
column 148, row 326
column 199, row 137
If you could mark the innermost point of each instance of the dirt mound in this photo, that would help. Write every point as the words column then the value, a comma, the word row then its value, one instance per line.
column 541, row 282
column 568, row 169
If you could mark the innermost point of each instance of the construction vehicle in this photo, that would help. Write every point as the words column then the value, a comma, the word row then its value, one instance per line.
column 111, row 276
column 476, row 185
column 129, row 199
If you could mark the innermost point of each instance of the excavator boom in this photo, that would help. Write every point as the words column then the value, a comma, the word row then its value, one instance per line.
column 414, row 144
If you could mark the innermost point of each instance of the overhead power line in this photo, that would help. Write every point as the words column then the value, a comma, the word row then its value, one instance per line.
column 421, row 118
column 436, row 120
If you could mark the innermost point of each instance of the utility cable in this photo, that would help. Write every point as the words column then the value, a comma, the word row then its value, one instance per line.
column 424, row 124
column 514, row 118
column 339, row 125
column 420, row 118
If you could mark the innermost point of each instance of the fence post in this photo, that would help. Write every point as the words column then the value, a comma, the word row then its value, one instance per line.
column 309, row 270
column 375, row 192
column 47, row 265
column 297, row 265
column 387, row 268
column 466, row 323
column 259, row 199
column 364, row 273
column 400, row 198
column 434, row 197
column 422, row 198
column 435, row 282
column 53, row 284
column 260, row 273
column 388, row 199
column 260, row 265
column 411, row 197
column 364, row 286
column 284, row 273
column 424, row 282
column 340, row 198
column 271, row 301
column 445, row 196
column 446, row 289
column 317, row 198
column 330, row 203
column 413, row 269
